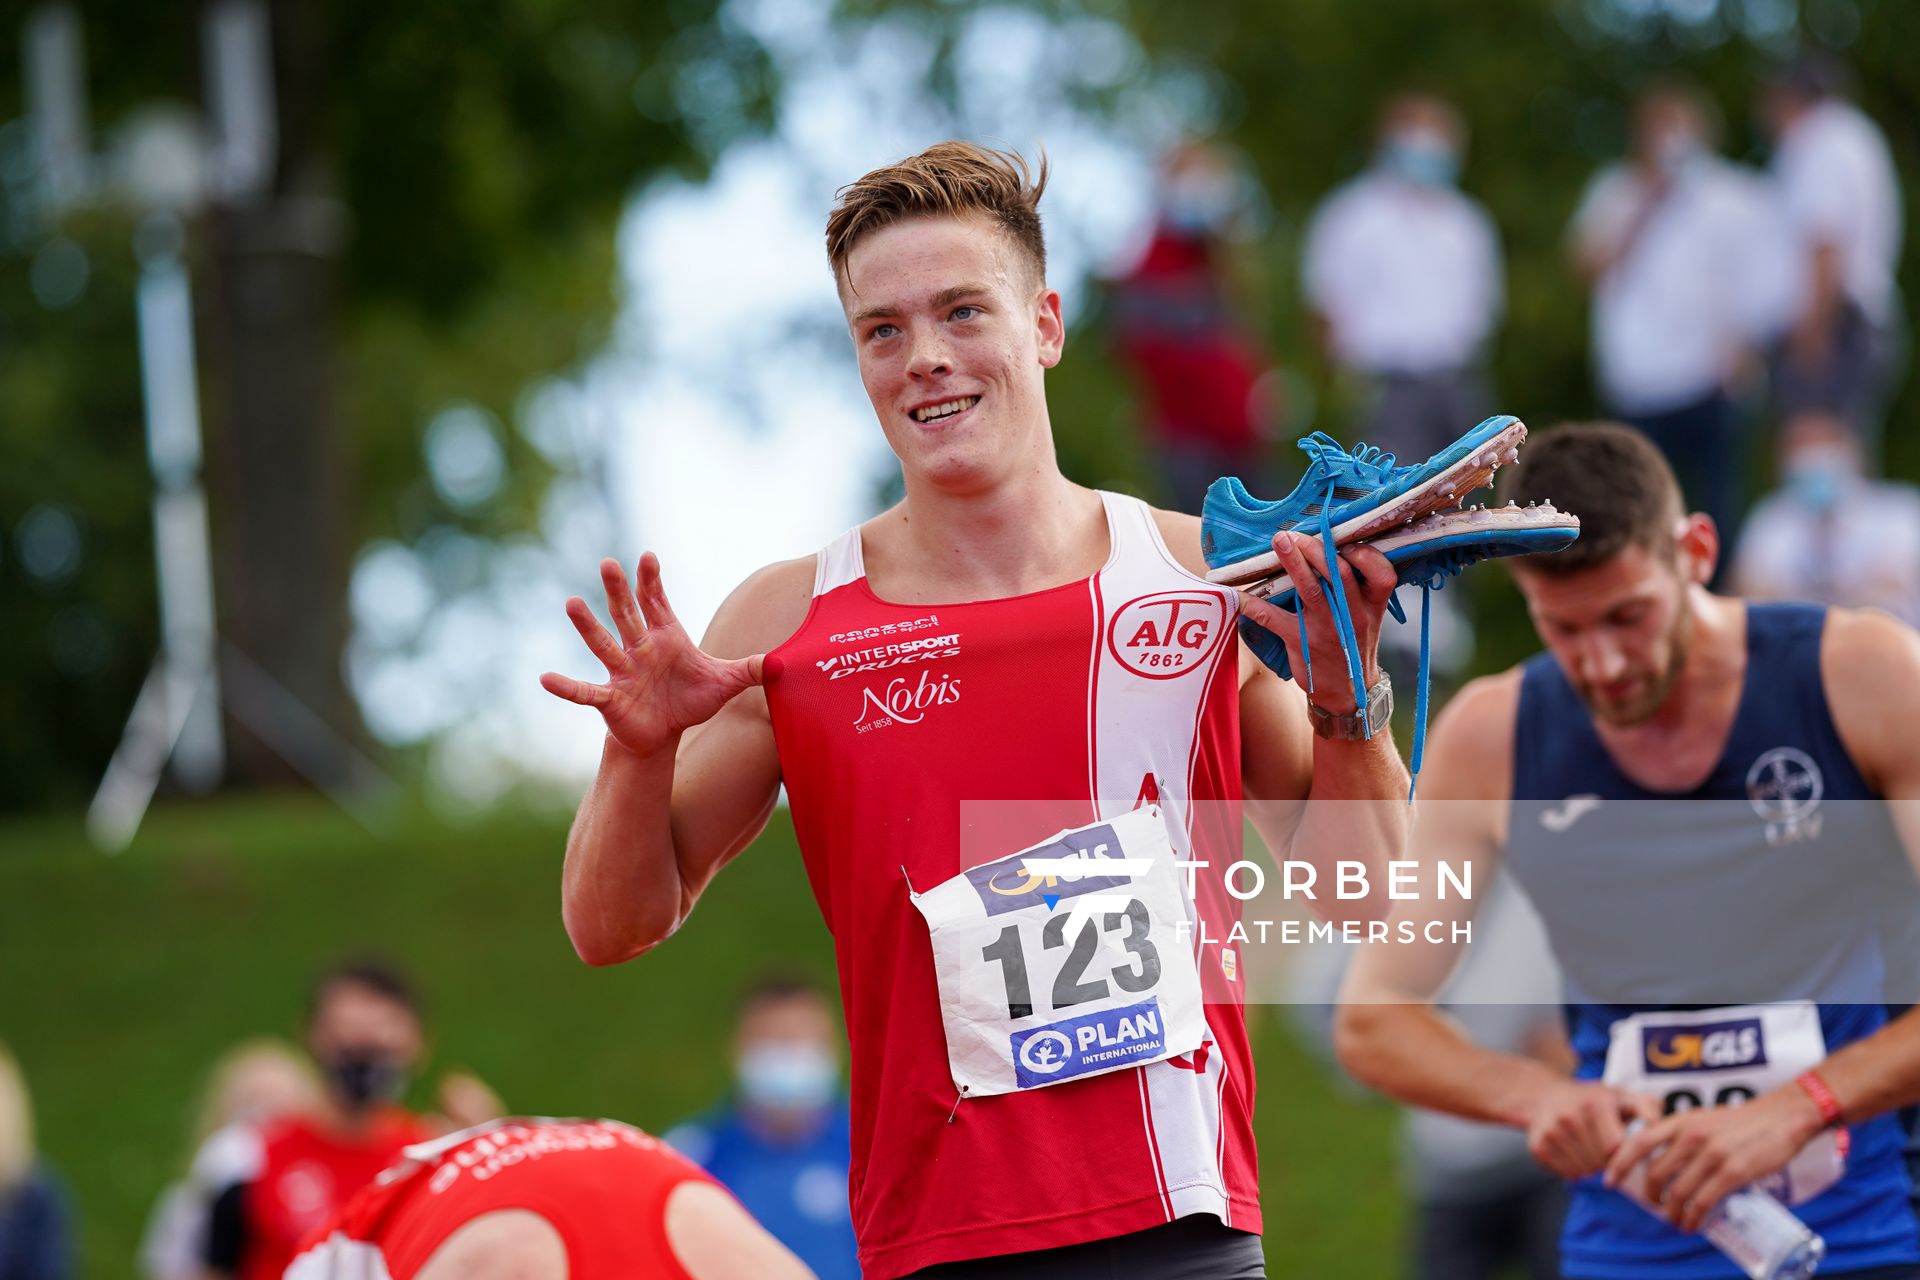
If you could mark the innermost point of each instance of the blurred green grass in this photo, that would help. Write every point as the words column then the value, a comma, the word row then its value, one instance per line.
column 122, row 978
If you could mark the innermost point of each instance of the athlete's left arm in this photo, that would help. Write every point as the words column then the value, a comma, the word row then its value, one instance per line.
column 1283, row 764
column 1870, row 664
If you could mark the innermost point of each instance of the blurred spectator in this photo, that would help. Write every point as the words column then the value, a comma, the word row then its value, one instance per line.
column 1830, row 533
column 1692, row 274
column 782, row 1142
column 1403, row 278
column 1181, row 334
column 364, row 1031
column 252, row 1085
column 36, row 1235
column 1483, row 1207
column 1843, row 202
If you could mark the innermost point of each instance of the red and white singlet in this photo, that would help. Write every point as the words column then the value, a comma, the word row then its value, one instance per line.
column 602, row 1185
column 899, row 727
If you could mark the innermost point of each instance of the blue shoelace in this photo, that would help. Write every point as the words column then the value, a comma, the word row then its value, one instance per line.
column 1439, row 567
column 1434, row 570
column 1371, row 467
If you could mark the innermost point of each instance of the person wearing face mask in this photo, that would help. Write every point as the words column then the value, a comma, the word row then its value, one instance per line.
column 781, row 1142
column 1830, row 533
column 1179, row 331
column 365, row 1034
column 1403, row 276
column 1692, row 274
column 1841, row 195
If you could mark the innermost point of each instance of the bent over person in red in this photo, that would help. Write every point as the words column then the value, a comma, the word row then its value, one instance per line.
column 580, row 1199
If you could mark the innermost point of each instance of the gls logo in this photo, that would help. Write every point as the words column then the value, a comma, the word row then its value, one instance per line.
column 903, row 703
column 1007, row 885
column 1706, row 1046
column 1167, row 634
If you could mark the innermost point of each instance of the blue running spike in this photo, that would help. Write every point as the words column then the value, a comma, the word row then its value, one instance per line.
column 1360, row 494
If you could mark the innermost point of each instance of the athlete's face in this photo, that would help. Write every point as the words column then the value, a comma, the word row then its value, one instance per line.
column 1619, row 630
column 954, row 331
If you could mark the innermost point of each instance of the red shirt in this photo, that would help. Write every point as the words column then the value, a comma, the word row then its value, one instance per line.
column 1177, row 331
column 306, row 1173
column 902, row 730
column 601, row 1184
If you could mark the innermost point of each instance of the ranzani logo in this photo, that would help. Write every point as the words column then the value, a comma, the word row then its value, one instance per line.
column 1167, row 634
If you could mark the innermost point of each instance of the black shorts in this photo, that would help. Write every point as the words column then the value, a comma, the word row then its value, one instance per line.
column 1197, row 1247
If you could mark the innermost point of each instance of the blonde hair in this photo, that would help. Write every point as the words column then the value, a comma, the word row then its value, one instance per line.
column 242, row 1070
column 950, row 180
column 16, row 1123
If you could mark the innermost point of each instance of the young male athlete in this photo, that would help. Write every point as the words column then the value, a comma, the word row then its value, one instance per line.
column 1730, row 949
column 544, row 1200
column 1002, row 635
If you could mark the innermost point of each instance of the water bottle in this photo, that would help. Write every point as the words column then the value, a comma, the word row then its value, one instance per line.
column 1761, row 1235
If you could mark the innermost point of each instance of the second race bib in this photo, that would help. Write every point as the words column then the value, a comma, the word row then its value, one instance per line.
column 1724, row 1057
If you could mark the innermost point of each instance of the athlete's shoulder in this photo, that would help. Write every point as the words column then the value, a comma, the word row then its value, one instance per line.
column 1475, row 730
column 763, row 610
column 1870, row 666
column 1869, row 651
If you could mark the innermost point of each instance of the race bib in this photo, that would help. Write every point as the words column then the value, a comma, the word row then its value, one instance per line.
column 1724, row 1057
column 1066, row 960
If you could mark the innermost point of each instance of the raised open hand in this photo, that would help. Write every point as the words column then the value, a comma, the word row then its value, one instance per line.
column 659, row 682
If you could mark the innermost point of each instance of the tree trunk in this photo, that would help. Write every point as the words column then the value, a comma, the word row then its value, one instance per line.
column 278, row 467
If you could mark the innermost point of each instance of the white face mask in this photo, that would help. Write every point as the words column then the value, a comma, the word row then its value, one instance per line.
column 787, row 1077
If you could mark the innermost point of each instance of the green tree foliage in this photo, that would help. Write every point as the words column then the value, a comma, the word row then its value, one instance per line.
column 1544, row 86
column 481, row 157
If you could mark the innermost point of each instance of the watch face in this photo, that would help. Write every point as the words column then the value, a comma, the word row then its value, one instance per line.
column 1356, row 723
column 1379, row 703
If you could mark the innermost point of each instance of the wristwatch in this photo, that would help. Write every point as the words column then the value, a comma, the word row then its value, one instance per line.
column 1356, row 724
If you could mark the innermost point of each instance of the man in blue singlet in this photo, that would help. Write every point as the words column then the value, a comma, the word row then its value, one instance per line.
column 1738, row 948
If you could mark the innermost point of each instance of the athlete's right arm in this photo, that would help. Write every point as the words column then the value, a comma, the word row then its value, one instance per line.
column 1387, row 1033
column 688, row 774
